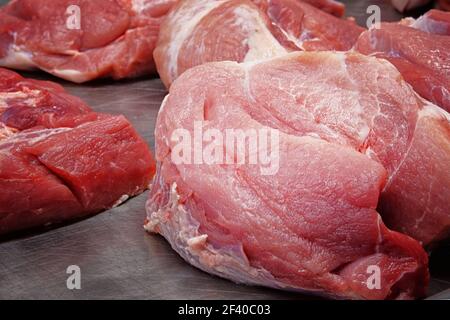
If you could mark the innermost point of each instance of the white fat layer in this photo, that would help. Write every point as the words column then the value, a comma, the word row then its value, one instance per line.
column 358, row 109
column 429, row 25
column 433, row 111
column 6, row 131
column 187, row 17
column 260, row 41
column 33, row 137
column 140, row 5
column 174, row 222
column 298, row 41
column 163, row 104
column 407, row 21
column 71, row 75
column 121, row 200
column 161, row 109
column 30, row 96
column 18, row 59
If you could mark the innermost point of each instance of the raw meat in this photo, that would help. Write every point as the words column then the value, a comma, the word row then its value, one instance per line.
column 444, row 5
column 422, row 58
column 331, row 6
column 434, row 21
column 81, row 40
column 199, row 31
column 59, row 160
column 349, row 141
column 405, row 5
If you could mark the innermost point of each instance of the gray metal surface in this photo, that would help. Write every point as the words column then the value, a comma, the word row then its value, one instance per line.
column 117, row 258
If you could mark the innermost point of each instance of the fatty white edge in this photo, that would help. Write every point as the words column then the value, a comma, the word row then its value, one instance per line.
column 70, row 74
column 431, row 110
column 260, row 41
column 174, row 222
column 40, row 135
column 184, row 26
column 18, row 59
column 121, row 200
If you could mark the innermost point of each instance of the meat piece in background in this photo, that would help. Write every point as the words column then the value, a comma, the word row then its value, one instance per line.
column 444, row 4
column 406, row 5
column 352, row 135
column 81, row 40
column 434, row 21
column 422, row 58
column 333, row 7
column 199, row 31
column 59, row 160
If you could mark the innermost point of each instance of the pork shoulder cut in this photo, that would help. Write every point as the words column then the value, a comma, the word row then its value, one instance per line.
column 81, row 40
column 352, row 136
column 59, row 160
column 199, row 31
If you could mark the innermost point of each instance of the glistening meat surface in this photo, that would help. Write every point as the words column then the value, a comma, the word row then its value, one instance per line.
column 199, row 31
column 81, row 40
column 423, row 58
column 344, row 135
column 59, row 160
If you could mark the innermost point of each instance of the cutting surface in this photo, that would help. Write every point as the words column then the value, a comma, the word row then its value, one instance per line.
column 117, row 258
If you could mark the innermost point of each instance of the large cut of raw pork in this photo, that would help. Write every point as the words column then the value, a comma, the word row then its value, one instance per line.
column 352, row 137
column 80, row 40
column 199, row 31
column 421, row 52
column 59, row 160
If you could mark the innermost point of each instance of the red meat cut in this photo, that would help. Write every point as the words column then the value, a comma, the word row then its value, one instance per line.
column 434, row 21
column 199, row 31
column 422, row 58
column 81, row 40
column 350, row 141
column 59, row 160
column 333, row 7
